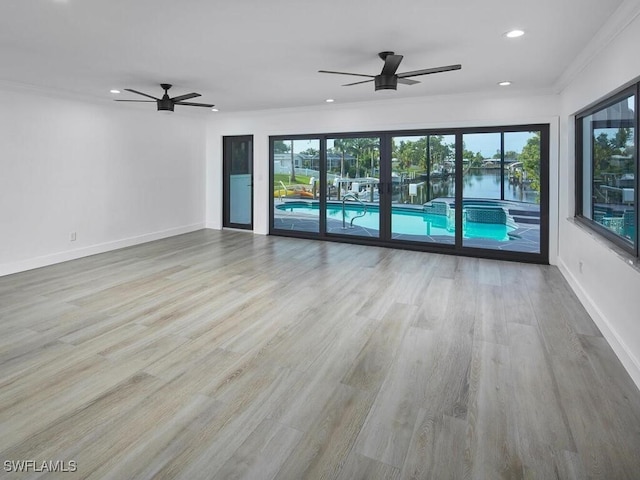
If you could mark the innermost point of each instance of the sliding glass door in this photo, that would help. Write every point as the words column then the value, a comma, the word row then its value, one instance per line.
column 296, row 185
column 352, row 169
column 422, row 188
column 502, row 191
column 470, row 191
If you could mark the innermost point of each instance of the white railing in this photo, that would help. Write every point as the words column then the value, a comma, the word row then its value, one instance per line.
column 307, row 172
column 344, row 213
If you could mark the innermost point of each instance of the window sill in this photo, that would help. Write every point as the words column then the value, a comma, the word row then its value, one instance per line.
column 620, row 252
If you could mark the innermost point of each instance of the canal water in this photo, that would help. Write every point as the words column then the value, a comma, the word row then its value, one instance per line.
column 483, row 183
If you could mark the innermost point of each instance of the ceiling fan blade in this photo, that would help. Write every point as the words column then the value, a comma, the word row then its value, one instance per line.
column 186, row 97
column 407, row 81
column 346, row 73
column 140, row 93
column 357, row 83
column 191, row 104
column 137, row 101
column 427, row 71
column 391, row 64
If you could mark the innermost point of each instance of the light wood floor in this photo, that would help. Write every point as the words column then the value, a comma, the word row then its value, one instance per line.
column 227, row 355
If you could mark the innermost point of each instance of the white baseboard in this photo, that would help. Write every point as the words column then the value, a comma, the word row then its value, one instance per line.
column 59, row 257
column 626, row 356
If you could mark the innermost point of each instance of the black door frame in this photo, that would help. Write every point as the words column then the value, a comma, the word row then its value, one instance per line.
column 227, row 142
column 385, row 200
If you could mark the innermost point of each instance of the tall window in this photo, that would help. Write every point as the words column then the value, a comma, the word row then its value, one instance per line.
column 607, row 164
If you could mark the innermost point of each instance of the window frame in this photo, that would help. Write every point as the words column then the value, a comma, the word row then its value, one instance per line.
column 610, row 100
column 541, row 257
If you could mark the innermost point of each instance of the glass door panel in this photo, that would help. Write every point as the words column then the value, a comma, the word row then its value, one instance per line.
column 353, row 186
column 422, row 179
column 423, row 188
column 296, row 185
column 501, row 191
column 238, row 182
column 523, row 188
column 484, row 217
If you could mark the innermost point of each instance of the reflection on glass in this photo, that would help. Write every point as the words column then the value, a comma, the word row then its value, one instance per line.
column 240, row 190
column 522, row 167
column 296, row 183
column 609, row 176
column 501, row 191
column 423, row 179
column 481, row 159
column 353, row 186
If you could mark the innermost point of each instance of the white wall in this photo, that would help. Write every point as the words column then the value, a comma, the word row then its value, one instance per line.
column 607, row 284
column 503, row 108
column 115, row 174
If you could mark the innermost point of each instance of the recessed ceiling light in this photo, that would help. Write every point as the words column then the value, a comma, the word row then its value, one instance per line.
column 506, row 83
column 215, row 110
column 114, row 91
column 514, row 33
column 329, row 100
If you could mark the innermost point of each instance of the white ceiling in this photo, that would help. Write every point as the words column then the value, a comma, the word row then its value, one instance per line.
column 259, row 54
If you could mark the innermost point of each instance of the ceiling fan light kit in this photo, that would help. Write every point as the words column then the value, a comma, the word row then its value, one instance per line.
column 386, row 82
column 388, row 79
column 166, row 103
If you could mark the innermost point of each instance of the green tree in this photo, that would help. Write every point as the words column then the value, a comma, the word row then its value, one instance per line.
column 312, row 157
column 606, row 144
column 621, row 139
column 409, row 153
column 439, row 152
column 341, row 145
column 530, row 158
column 414, row 154
column 280, row 147
column 511, row 155
column 362, row 149
column 292, row 176
column 508, row 155
column 310, row 151
column 475, row 159
column 602, row 151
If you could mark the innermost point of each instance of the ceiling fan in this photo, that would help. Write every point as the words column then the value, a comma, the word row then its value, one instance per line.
column 388, row 79
column 165, row 103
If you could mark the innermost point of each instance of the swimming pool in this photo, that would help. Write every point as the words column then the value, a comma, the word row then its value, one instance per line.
column 404, row 221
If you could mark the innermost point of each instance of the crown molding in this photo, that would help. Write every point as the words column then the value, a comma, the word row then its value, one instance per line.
column 615, row 24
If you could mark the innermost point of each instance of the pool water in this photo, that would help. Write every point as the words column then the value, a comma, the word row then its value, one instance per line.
column 403, row 221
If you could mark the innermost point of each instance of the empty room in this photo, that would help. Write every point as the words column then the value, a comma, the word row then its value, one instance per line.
column 319, row 240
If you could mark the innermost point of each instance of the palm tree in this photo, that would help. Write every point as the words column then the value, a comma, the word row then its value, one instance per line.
column 292, row 176
column 360, row 147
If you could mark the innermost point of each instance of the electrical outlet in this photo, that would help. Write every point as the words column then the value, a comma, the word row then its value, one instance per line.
column 72, row 236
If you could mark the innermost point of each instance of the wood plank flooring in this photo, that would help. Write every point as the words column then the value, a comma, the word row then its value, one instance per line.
column 224, row 355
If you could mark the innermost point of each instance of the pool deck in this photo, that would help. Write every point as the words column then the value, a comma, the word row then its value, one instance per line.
column 523, row 217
